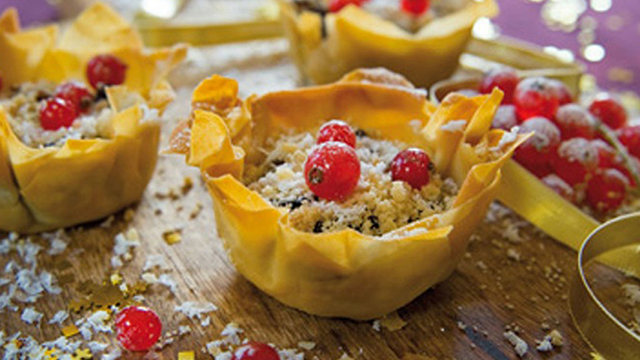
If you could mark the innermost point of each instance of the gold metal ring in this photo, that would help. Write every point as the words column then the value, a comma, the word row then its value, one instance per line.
column 602, row 330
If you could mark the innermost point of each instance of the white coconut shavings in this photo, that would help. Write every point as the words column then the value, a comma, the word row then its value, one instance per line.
column 94, row 323
column 632, row 293
column 206, row 321
column 149, row 278
column 226, row 355
column 59, row 317
column 376, row 325
column 58, row 242
column 29, row 282
column 6, row 299
column 5, row 246
column 290, row 354
column 307, row 345
column 231, row 333
column 113, row 355
column 97, row 347
column 184, row 329
column 167, row 280
column 454, row 126
column 28, row 251
column 31, row 316
column 156, row 261
column 4, row 281
column 124, row 244
column 519, row 345
column 195, row 309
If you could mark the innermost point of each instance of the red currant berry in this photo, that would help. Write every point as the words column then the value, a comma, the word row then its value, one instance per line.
column 255, row 351
column 57, row 113
column 575, row 121
column 138, row 328
column 332, row 171
column 562, row 92
column 538, row 152
column 337, row 5
column 630, row 137
column 411, row 166
column 106, row 70
column 560, row 187
column 535, row 96
column 336, row 130
column 504, row 79
column 415, row 7
column 577, row 159
column 505, row 118
column 76, row 94
column 606, row 190
column 609, row 111
column 607, row 156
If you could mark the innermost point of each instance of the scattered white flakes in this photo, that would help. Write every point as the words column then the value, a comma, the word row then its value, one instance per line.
column 206, row 322
column 4, row 281
column 511, row 231
column 149, row 278
column 232, row 332
column 290, row 354
column 108, row 222
column 31, row 316
column 454, row 126
column 519, row 345
column 376, row 325
column 151, row 355
column 226, row 355
column 514, row 254
column 98, row 320
column 28, row 251
column 124, row 244
column 481, row 265
column 59, row 317
column 167, row 280
column 345, row 357
column 554, row 338
column 97, row 347
column 184, row 329
column 155, row 261
column 58, row 241
column 7, row 297
column 29, row 282
column 214, row 347
column 48, row 282
column 306, row 345
column 545, row 345
column 113, row 355
column 462, row 326
column 632, row 293
column 193, row 309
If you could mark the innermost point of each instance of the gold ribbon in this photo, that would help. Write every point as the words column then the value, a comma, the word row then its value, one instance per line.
column 526, row 195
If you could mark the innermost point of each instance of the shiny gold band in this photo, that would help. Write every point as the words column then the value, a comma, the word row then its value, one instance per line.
column 606, row 334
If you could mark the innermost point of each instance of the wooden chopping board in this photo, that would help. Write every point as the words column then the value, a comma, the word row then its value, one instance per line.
column 517, row 283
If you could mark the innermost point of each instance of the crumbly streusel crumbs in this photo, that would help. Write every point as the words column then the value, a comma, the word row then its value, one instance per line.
column 377, row 206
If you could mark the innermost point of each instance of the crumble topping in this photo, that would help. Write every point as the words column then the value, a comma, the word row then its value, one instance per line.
column 23, row 109
column 378, row 204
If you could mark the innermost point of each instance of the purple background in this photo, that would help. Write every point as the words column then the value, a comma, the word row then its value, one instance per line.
column 518, row 18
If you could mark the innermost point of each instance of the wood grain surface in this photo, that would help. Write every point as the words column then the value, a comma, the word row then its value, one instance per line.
column 500, row 283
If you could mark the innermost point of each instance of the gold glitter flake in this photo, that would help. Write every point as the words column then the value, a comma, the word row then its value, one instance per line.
column 172, row 237
column 186, row 355
column 70, row 330
column 82, row 354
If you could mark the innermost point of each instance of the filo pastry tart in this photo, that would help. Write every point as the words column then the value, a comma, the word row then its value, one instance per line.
column 346, row 267
column 55, row 176
column 326, row 45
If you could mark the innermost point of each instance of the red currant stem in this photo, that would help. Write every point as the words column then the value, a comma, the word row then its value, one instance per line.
column 612, row 139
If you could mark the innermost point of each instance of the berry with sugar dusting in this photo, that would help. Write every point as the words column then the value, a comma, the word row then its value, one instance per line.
column 630, row 137
column 609, row 111
column 75, row 93
column 505, row 79
column 560, row 187
column 106, row 70
column 505, row 118
column 535, row 96
column 332, row 171
column 57, row 113
column 415, row 7
column 575, row 121
column 336, row 130
column 577, row 159
column 138, row 328
column 606, row 190
column 538, row 152
column 411, row 166
column 562, row 92
column 255, row 351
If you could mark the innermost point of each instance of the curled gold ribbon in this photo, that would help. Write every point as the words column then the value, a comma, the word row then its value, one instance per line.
column 602, row 330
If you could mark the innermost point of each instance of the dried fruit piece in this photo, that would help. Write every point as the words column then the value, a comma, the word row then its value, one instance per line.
column 332, row 171
column 538, row 152
column 336, row 130
column 138, row 328
column 411, row 166
column 505, row 79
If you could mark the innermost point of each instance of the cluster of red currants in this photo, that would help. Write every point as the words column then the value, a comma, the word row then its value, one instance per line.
column 413, row 7
column 72, row 98
column 138, row 328
column 332, row 169
column 570, row 149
